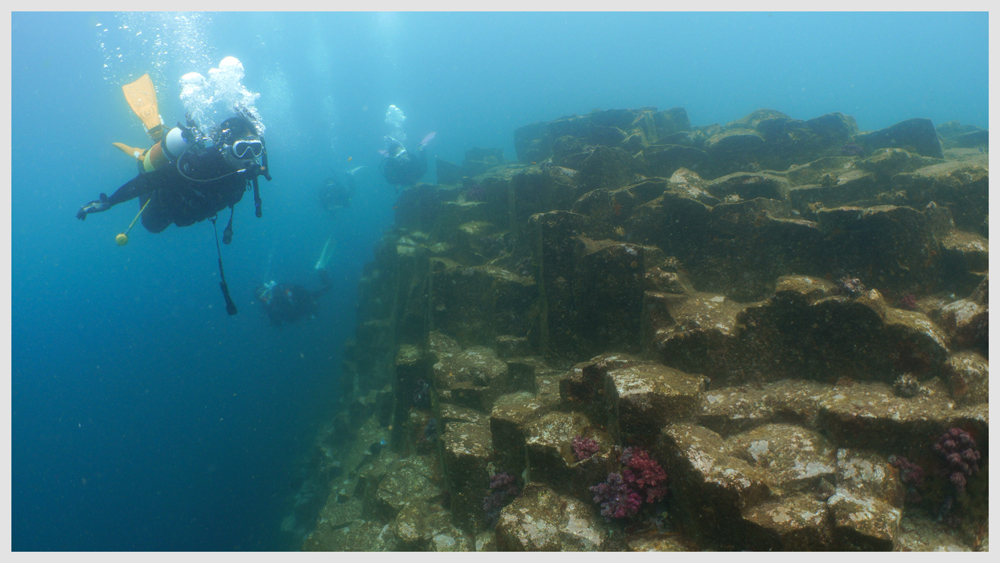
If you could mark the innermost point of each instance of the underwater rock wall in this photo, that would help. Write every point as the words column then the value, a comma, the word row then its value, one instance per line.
column 785, row 315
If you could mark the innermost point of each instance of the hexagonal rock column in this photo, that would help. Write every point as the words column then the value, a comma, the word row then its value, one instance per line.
column 472, row 378
column 608, row 283
column 550, row 454
column 798, row 461
column 508, row 427
column 866, row 509
column 542, row 520
column 711, row 488
column 969, row 376
column 582, row 388
column 795, row 458
column 465, row 451
column 645, row 398
column 792, row 523
column 479, row 303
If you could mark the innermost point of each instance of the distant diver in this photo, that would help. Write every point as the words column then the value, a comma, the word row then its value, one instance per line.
column 399, row 166
column 335, row 194
column 287, row 303
column 187, row 177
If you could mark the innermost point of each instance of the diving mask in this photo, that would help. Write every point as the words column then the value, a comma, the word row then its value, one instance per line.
column 248, row 148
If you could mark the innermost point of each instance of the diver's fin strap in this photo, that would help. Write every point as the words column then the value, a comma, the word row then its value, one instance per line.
column 141, row 97
column 227, row 234
column 133, row 152
column 230, row 306
column 256, row 197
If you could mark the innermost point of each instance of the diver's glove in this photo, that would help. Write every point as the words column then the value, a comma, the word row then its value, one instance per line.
column 93, row 207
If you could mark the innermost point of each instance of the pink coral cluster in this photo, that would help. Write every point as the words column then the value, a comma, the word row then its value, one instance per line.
column 644, row 473
column 912, row 476
column 960, row 455
column 620, row 496
column 584, row 448
column 617, row 498
column 908, row 302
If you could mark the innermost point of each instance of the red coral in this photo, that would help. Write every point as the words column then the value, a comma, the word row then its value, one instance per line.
column 617, row 498
column 584, row 448
column 908, row 302
column 644, row 474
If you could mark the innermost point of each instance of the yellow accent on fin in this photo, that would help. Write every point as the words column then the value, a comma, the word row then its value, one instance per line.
column 136, row 153
column 141, row 97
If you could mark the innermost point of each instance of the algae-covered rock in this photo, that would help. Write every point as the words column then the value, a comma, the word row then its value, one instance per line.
column 645, row 398
column 792, row 523
column 416, row 525
column 474, row 378
column 711, row 488
column 465, row 451
column 962, row 187
column 479, row 303
column 863, row 523
column 746, row 186
column 871, row 416
column 509, row 422
column 969, row 376
column 868, row 474
column 550, row 452
column 796, row 458
column 917, row 135
column 543, row 520
column 406, row 482
column 731, row 410
column 361, row 536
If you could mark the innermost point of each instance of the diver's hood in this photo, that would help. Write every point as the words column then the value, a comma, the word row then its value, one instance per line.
column 236, row 128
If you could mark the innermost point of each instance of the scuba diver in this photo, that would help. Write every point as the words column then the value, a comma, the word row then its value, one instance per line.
column 185, row 177
column 401, row 167
column 287, row 303
column 335, row 195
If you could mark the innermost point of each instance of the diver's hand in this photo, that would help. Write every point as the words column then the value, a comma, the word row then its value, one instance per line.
column 95, row 206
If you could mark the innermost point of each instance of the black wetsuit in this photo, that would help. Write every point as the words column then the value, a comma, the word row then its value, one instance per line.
column 196, row 187
column 288, row 303
column 404, row 169
column 336, row 195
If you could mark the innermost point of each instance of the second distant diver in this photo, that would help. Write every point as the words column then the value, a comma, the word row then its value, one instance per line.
column 336, row 194
column 401, row 167
column 287, row 303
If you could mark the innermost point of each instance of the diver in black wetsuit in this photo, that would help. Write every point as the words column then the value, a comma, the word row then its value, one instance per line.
column 401, row 167
column 197, row 183
column 286, row 303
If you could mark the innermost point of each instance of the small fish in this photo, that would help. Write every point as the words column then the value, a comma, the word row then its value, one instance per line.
column 428, row 138
column 350, row 158
column 352, row 172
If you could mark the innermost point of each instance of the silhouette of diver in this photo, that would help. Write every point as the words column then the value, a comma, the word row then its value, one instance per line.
column 287, row 303
column 399, row 166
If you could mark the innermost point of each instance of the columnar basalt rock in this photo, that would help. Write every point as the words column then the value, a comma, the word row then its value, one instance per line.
column 776, row 310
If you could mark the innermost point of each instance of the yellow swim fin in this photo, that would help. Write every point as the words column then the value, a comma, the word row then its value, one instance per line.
column 141, row 97
column 137, row 153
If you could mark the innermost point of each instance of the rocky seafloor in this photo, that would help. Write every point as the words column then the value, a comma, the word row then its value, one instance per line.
column 643, row 335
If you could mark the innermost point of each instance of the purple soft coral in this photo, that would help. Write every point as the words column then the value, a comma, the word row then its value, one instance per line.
column 644, row 473
column 584, row 448
column 960, row 455
column 616, row 497
column 912, row 476
column 504, row 488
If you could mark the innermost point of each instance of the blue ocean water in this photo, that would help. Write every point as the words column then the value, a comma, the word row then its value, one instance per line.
column 144, row 417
